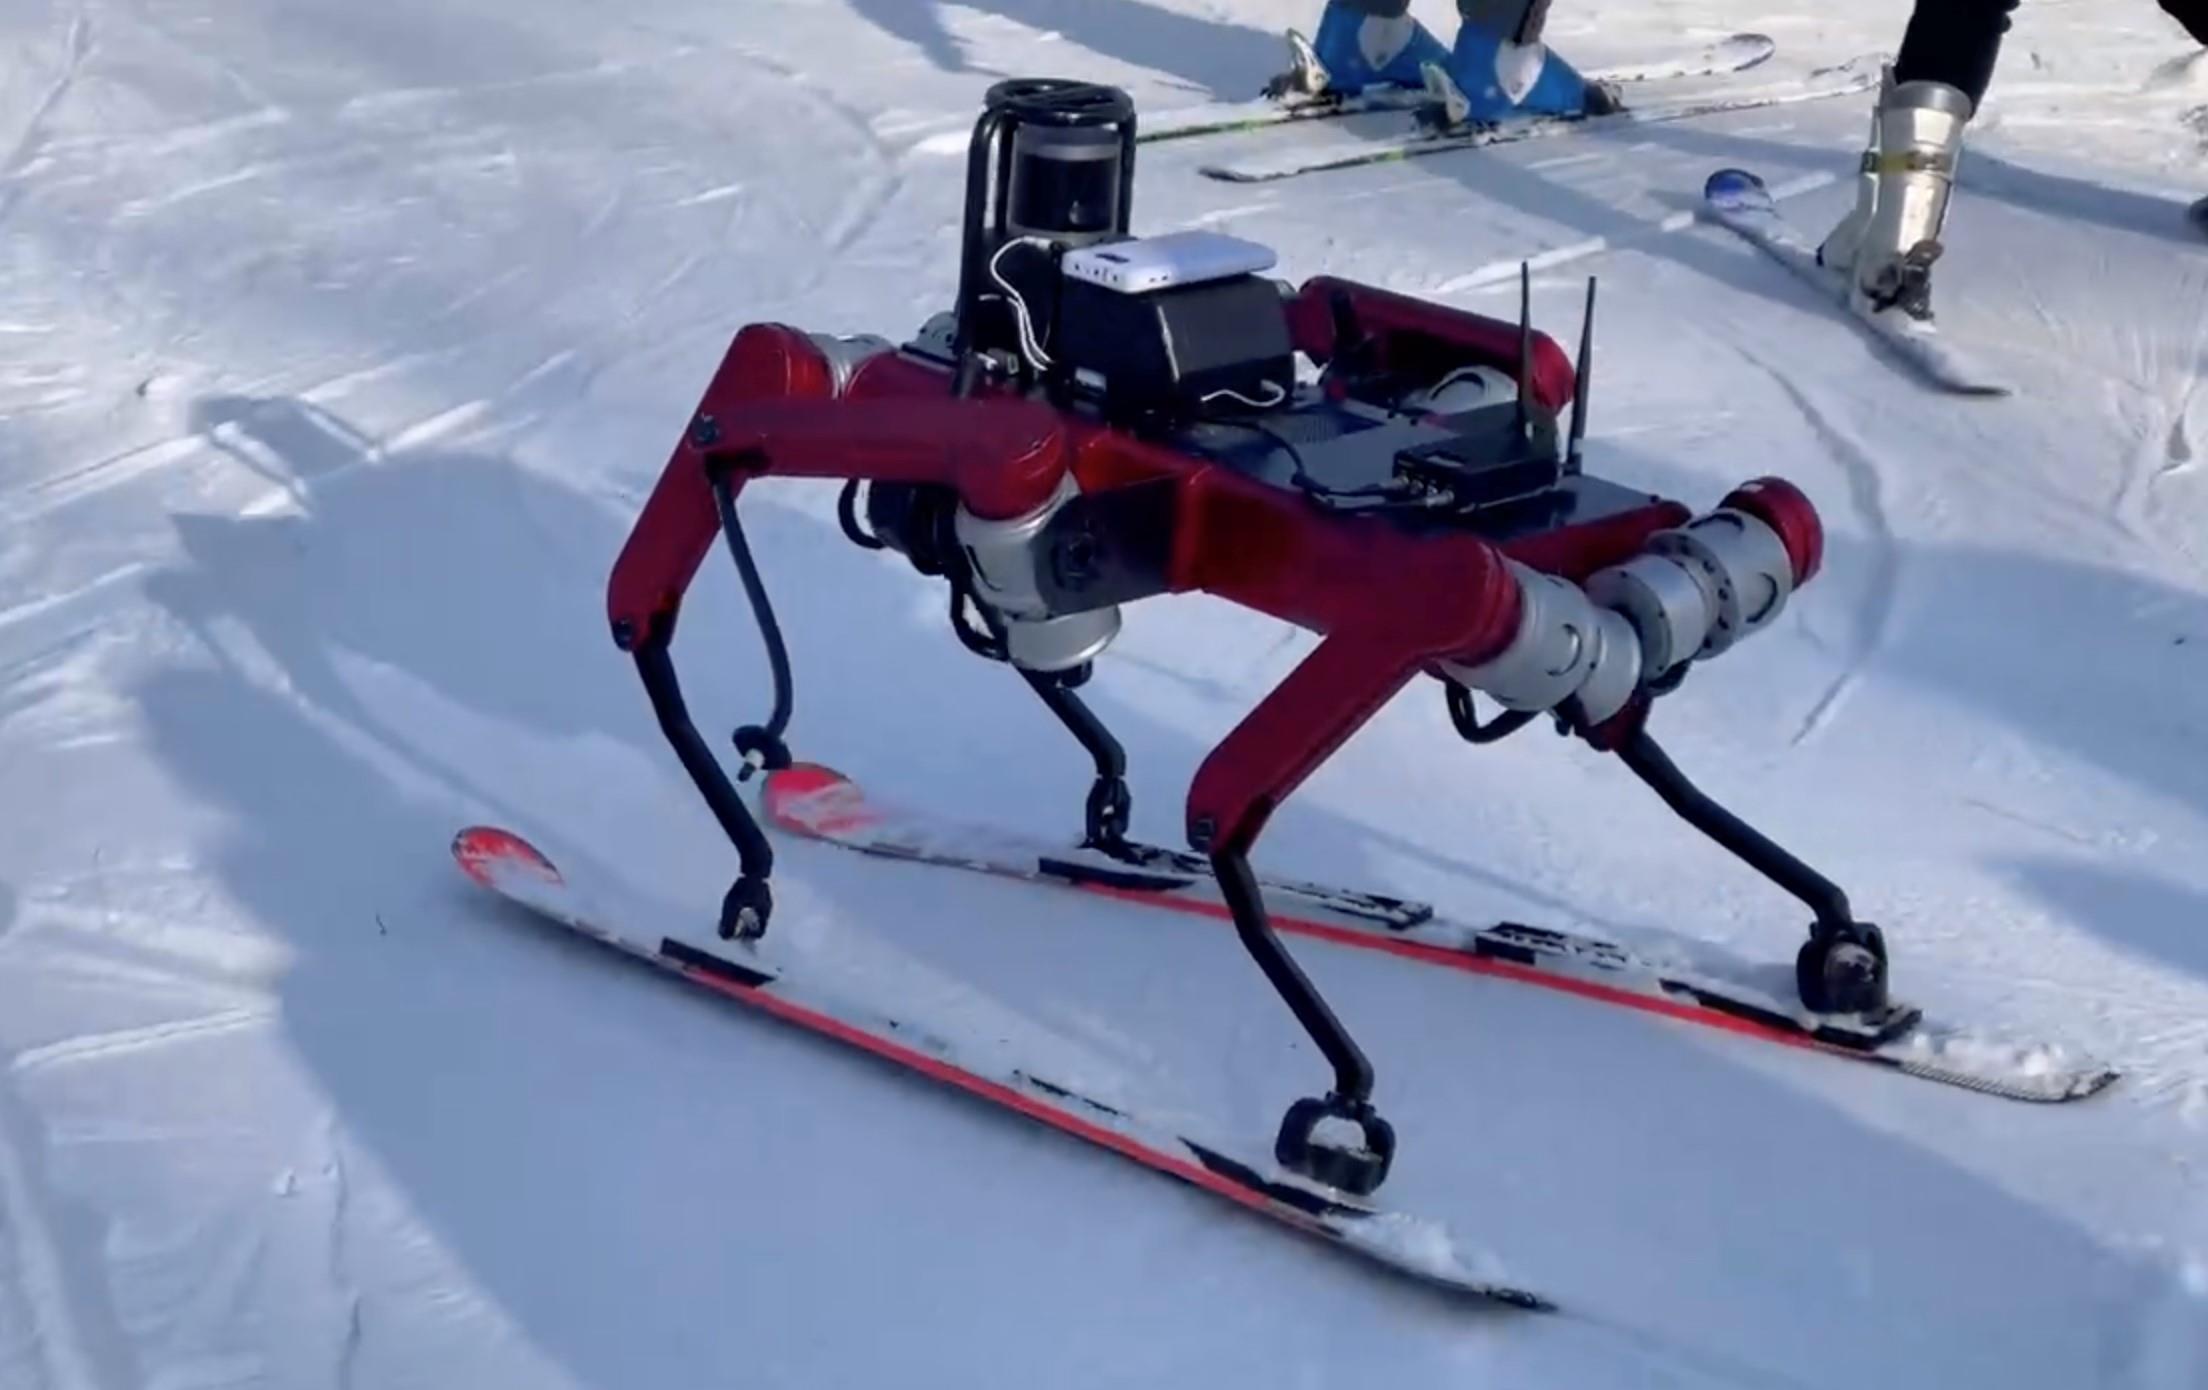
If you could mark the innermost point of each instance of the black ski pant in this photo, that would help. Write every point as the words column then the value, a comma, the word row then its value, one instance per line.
column 1958, row 42
column 1521, row 19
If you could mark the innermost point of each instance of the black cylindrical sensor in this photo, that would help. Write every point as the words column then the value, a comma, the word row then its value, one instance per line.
column 1065, row 183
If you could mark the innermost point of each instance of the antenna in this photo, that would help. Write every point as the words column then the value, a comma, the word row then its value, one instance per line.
column 1525, row 337
column 1580, row 385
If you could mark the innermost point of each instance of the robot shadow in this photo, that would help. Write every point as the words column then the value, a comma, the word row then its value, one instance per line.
column 421, row 636
column 1215, row 56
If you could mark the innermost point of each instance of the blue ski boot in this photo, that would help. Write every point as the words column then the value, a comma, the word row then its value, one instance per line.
column 1498, row 78
column 1356, row 50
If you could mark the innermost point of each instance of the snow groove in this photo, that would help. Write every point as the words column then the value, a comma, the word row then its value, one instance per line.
column 861, row 209
column 2178, row 451
column 101, row 1045
column 400, row 98
column 1874, row 612
column 348, row 1347
column 60, row 1347
column 26, row 610
column 32, row 138
column 2165, row 448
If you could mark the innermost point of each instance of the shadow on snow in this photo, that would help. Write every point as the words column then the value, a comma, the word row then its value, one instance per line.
column 579, row 1135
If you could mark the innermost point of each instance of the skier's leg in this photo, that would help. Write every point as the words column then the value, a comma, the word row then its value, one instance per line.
column 2193, row 14
column 1365, row 43
column 1888, row 242
column 1503, row 68
column 1955, row 43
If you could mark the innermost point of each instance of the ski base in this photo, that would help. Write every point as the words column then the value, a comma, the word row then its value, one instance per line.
column 1296, row 103
column 1741, row 202
column 1355, row 151
column 1420, row 1249
column 821, row 804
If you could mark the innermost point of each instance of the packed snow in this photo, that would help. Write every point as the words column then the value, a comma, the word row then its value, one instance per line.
column 339, row 345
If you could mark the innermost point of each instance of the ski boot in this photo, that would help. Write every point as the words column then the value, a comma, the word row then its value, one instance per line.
column 1888, row 242
column 1500, row 68
column 1356, row 50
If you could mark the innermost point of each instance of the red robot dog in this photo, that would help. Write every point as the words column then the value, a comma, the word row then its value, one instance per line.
column 1105, row 417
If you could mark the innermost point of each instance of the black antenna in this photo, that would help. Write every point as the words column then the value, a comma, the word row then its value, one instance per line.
column 1525, row 336
column 1580, row 386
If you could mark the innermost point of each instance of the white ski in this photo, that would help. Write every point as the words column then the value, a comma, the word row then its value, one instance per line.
column 1424, row 1250
column 820, row 803
column 1740, row 201
column 1299, row 94
column 1333, row 148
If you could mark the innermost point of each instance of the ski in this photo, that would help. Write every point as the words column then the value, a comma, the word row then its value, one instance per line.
column 817, row 803
column 1349, row 150
column 1298, row 98
column 1741, row 202
column 1422, row 1249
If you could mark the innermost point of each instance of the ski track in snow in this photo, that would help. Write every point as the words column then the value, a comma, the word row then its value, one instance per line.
column 2169, row 454
column 341, row 1281
column 77, row 47
column 59, row 1347
column 102, row 1046
column 1874, row 613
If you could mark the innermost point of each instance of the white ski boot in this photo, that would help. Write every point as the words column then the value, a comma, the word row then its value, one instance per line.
column 1887, row 244
column 1306, row 76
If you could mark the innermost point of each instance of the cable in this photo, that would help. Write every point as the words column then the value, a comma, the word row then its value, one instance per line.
column 847, row 516
column 1301, row 474
column 1032, row 350
column 761, row 746
column 1280, row 394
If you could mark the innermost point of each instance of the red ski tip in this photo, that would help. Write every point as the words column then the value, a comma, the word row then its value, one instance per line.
column 817, row 799
column 487, row 853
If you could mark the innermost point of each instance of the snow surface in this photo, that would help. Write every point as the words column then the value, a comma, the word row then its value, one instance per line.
column 339, row 344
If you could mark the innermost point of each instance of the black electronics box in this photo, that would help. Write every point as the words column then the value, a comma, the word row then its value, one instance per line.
column 1167, row 355
column 1496, row 456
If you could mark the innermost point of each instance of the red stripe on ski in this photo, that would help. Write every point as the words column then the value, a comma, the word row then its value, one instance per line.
column 509, row 866
column 479, row 848
column 486, row 854
column 827, row 816
column 809, row 780
column 821, row 804
column 964, row 1080
column 1469, row 963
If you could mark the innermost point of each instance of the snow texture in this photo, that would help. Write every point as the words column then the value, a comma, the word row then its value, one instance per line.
column 339, row 345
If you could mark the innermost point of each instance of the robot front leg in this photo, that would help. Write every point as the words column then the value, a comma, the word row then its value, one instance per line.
column 1340, row 1138
column 1110, row 803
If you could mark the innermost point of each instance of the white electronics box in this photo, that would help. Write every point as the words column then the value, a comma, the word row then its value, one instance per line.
column 1145, row 264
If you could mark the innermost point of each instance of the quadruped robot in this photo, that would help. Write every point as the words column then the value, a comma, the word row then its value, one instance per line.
column 1104, row 417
